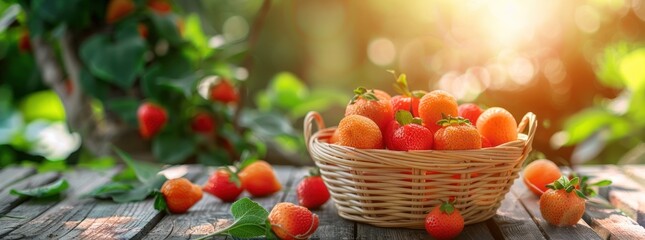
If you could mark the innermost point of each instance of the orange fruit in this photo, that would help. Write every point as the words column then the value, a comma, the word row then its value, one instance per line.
column 359, row 132
column 562, row 205
column 259, row 179
column 180, row 194
column 118, row 9
column 373, row 104
column 456, row 133
column 433, row 105
column 497, row 125
column 290, row 221
column 538, row 174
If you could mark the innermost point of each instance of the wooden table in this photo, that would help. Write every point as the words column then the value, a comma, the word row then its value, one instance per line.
column 79, row 217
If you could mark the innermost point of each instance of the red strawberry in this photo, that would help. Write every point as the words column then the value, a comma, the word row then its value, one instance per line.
column 290, row 221
column 224, row 184
column 312, row 192
column 159, row 6
column 485, row 142
column 408, row 100
column 470, row 111
column 444, row 222
column 389, row 133
column 412, row 135
column 203, row 123
column 562, row 204
column 223, row 91
column 24, row 43
column 152, row 118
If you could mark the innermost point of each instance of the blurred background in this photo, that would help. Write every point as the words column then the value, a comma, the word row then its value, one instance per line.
column 579, row 65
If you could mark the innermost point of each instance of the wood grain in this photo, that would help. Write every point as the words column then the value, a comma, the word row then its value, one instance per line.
column 79, row 185
column 624, row 193
column 8, row 201
column 513, row 221
column 10, row 175
column 611, row 223
column 530, row 202
column 90, row 218
column 211, row 214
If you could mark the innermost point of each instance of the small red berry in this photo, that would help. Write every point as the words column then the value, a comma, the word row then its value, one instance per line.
column 203, row 123
column 222, row 185
column 312, row 192
column 152, row 118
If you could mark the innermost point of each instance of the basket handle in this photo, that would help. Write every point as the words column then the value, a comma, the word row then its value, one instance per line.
column 308, row 125
column 529, row 120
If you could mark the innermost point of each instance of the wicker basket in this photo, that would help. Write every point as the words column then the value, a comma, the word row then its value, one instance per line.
column 396, row 189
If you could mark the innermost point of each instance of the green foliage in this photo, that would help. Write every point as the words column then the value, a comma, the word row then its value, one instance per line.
column 148, row 182
column 49, row 190
column 612, row 126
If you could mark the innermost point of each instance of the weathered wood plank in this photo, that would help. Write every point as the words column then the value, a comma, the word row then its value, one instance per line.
column 331, row 226
column 10, row 175
column 89, row 218
column 611, row 223
column 513, row 221
column 624, row 193
column 211, row 213
column 79, row 185
column 8, row 201
column 530, row 202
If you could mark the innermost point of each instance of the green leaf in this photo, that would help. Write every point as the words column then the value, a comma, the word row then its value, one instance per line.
column 160, row 202
column 582, row 125
column 173, row 149
column 403, row 117
column 8, row 16
column 194, row 34
column 186, row 85
column 110, row 189
column 602, row 183
column 580, row 194
column 92, row 86
column 558, row 185
column 214, row 158
column 250, row 220
column 141, row 191
column 49, row 190
column 125, row 108
column 609, row 65
column 117, row 62
column 267, row 125
column 631, row 68
column 574, row 181
column 447, row 208
column 286, row 90
column 247, row 213
column 166, row 27
column 144, row 172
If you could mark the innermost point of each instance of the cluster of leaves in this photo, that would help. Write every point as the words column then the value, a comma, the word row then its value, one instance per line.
column 147, row 55
column 587, row 188
column 282, row 105
column 612, row 127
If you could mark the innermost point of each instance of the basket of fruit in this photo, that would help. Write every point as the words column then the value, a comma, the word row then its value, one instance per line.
column 389, row 167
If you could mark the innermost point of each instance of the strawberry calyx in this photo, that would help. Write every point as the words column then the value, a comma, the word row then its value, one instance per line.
column 447, row 207
column 450, row 120
column 404, row 117
column 401, row 86
column 362, row 92
column 232, row 176
column 567, row 185
column 314, row 172
column 585, row 187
